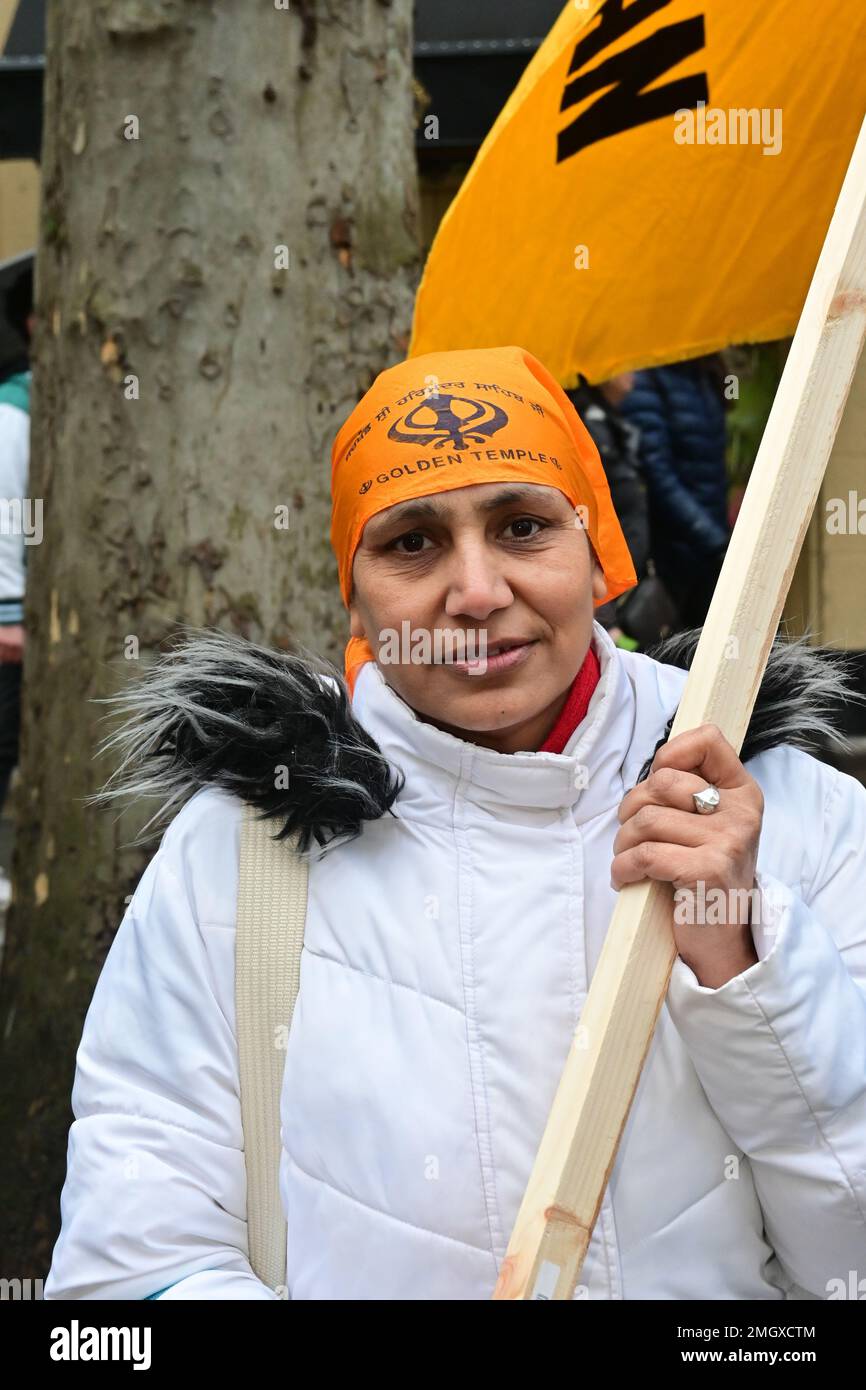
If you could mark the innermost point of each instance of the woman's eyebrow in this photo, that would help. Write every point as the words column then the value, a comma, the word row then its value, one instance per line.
column 410, row 511
column 516, row 494
column 424, row 510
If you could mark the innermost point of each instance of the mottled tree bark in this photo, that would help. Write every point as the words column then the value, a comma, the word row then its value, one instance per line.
column 228, row 256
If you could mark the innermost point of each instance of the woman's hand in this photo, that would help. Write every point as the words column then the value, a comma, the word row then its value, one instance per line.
column 662, row 836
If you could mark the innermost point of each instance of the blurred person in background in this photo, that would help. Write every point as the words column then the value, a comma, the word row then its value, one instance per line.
column 14, row 468
column 679, row 410
column 617, row 441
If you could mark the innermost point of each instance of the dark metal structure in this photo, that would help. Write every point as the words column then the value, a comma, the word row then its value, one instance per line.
column 468, row 57
column 22, row 64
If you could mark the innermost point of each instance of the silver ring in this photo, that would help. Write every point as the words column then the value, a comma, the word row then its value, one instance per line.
column 707, row 801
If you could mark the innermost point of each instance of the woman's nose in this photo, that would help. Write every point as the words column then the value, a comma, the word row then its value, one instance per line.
column 475, row 581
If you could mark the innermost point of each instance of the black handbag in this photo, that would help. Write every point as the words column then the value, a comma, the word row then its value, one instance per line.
column 648, row 614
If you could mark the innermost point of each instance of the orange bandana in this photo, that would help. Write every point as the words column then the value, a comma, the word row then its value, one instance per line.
column 452, row 419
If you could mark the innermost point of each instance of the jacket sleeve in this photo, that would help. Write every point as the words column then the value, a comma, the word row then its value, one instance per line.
column 646, row 406
column 154, row 1201
column 780, row 1051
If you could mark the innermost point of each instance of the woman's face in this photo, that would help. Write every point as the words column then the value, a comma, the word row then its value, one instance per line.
column 456, row 573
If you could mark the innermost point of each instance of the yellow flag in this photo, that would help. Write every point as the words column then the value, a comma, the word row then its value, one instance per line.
column 657, row 186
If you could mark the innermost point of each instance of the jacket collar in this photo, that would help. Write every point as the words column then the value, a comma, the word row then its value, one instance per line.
column 587, row 776
column 220, row 711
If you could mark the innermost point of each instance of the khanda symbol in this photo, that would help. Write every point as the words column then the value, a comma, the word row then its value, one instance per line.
column 439, row 421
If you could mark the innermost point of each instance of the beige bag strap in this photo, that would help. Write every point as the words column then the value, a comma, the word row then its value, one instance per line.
column 272, row 908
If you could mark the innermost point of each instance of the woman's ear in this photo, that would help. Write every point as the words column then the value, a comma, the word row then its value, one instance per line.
column 356, row 627
column 356, row 624
column 599, row 583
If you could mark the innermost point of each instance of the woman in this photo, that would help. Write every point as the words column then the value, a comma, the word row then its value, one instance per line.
column 480, row 815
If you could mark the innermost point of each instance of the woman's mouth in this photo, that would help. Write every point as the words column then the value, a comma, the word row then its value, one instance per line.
column 505, row 658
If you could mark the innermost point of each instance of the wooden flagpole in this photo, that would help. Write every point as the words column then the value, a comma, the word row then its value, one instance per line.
column 603, row 1066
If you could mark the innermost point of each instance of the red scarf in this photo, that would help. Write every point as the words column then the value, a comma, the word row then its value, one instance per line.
column 575, row 707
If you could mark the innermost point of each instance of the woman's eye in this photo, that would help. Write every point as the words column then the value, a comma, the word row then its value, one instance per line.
column 523, row 522
column 411, row 538
column 523, row 528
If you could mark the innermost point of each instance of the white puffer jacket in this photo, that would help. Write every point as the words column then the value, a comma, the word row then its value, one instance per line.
column 448, row 951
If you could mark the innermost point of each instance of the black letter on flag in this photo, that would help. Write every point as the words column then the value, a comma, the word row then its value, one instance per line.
column 627, row 106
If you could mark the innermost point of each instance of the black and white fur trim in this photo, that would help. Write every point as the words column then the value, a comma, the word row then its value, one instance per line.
column 274, row 728
column 798, row 701
column 277, row 730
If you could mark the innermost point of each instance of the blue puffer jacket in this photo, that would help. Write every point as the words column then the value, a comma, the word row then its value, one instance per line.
column 682, row 447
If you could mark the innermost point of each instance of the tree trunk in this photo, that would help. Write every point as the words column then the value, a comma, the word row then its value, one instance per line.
column 228, row 256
